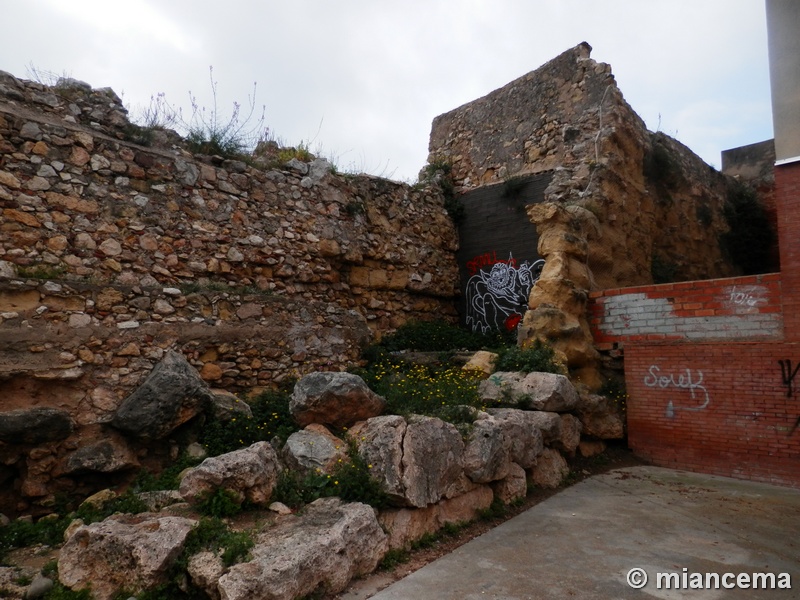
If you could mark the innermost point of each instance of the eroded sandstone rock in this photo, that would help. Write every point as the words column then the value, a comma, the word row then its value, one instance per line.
column 486, row 454
column 522, row 431
column 314, row 449
column 550, row 469
column 542, row 391
column 334, row 398
column 124, row 552
column 318, row 551
column 250, row 474
column 172, row 394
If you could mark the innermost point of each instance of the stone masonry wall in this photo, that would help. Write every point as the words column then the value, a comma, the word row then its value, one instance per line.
column 114, row 224
column 633, row 204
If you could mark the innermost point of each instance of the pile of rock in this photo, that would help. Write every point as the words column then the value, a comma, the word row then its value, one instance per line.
column 433, row 473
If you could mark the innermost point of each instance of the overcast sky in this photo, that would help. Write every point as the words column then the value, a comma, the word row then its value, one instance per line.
column 361, row 80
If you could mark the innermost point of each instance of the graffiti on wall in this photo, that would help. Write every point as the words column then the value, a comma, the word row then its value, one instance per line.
column 787, row 377
column 497, row 297
column 687, row 379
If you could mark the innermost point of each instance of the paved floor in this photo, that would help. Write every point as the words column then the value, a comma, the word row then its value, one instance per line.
column 581, row 543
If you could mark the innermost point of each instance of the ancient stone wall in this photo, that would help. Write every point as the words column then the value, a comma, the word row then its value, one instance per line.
column 114, row 223
column 639, row 204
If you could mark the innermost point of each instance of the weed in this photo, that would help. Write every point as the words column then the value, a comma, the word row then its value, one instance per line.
column 438, row 336
column 220, row 503
column 350, row 480
column 355, row 208
column 213, row 535
column 394, row 558
column 167, row 479
column 127, row 503
column 440, row 171
column 496, row 510
column 59, row 592
column 423, row 390
column 271, row 418
column 43, row 272
column 539, row 357
column 210, row 133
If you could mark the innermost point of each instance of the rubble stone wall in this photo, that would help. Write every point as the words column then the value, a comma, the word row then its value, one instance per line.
column 627, row 205
column 144, row 243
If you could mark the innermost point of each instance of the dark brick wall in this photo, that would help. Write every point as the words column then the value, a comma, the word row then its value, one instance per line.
column 497, row 241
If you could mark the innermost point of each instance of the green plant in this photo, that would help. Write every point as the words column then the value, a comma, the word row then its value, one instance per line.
column 438, row 336
column 126, row 503
column 394, row 558
column 352, row 481
column 271, row 418
column 220, row 503
column 355, row 207
column 440, row 171
column 295, row 490
column 496, row 510
column 538, row 357
column 750, row 239
column 213, row 535
column 615, row 390
column 661, row 167
column 40, row 271
column 59, row 592
column 165, row 480
column 423, row 390
column 19, row 533
column 210, row 133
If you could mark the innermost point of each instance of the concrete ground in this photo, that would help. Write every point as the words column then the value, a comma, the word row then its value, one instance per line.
column 581, row 543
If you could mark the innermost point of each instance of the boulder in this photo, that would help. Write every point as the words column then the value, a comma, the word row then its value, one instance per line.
column 107, row 456
column 314, row 449
column 550, row 469
column 569, row 434
column 481, row 362
column 35, row 425
column 250, row 474
column 589, row 448
column 124, row 552
column 227, row 406
column 539, row 391
column 172, row 394
column 601, row 417
column 380, row 444
column 433, row 459
column 402, row 459
column 205, row 569
column 513, row 487
column 486, row 454
column 319, row 551
column 334, row 398
column 522, row 431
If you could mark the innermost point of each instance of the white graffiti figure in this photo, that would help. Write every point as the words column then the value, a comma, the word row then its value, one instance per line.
column 497, row 300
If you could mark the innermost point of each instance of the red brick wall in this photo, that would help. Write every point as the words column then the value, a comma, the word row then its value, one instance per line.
column 724, row 409
column 787, row 191
column 736, row 308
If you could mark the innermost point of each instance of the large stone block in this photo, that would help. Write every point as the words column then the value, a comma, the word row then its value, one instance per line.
column 318, row 551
